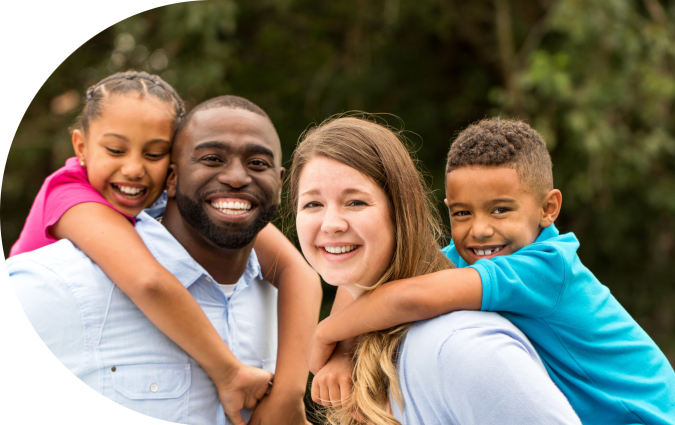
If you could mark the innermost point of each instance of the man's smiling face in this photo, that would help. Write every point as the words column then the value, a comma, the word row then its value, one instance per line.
column 226, row 175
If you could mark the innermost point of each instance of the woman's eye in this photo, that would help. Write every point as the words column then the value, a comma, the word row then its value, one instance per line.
column 356, row 203
column 461, row 213
column 115, row 151
column 312, row 204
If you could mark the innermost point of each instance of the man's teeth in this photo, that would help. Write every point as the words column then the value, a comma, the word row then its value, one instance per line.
column 231, row 208
column 486, row 251
column 339, row 249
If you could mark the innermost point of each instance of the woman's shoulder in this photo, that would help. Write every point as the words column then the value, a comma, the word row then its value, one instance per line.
column 464, row 334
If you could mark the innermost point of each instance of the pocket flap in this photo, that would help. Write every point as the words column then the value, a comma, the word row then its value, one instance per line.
column 152, row 381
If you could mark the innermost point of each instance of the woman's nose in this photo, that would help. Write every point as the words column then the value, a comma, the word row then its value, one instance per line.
column 333, row 222
column 235, row 175
column 133, row 169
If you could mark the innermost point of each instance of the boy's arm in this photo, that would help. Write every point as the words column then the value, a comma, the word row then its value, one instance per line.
column 298, row 309
column 332, row 385
column 112, row 243
column 395, row 303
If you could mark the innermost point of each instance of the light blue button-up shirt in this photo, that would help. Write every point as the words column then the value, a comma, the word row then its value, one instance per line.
column 104, row 339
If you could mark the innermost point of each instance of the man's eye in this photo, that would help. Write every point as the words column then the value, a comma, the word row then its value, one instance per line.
column 500, row 210
column 210, row 159
column 259, row 163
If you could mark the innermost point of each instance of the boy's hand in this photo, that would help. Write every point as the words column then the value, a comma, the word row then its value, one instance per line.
column 243, row 388
column 280, row 408
column 332, row 385
column 319, row 351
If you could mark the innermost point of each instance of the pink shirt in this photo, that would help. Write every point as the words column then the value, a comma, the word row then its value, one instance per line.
column 65, row 188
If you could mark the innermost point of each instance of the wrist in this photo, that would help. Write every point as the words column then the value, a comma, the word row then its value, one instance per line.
column 223, row 375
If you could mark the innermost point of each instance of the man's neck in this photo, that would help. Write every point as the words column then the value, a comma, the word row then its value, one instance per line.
column 225, row 265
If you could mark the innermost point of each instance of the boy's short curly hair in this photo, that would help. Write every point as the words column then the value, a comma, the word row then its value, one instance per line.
column 497, row 142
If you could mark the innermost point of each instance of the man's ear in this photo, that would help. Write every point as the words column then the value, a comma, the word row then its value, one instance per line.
column 551, row 207
column 171, row 181
column 79, row 145
column 282, row 172
column 446, row 202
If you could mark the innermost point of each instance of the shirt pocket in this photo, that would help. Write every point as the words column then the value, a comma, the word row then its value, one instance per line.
column 157, row 390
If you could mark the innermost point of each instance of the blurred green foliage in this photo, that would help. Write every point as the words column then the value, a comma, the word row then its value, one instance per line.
column 594, row 77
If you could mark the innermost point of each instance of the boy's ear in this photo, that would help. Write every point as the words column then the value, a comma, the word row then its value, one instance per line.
column 171, row 181
column 79, row 145
column 551, row 207
column 446, row 202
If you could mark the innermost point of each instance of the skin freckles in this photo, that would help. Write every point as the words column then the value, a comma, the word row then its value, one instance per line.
column 126, row 151
column 339, row 206
column 492, row 213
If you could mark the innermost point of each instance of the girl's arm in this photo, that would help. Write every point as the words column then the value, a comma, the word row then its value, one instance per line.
column 298, row 309
column 112, row 243
column 395, row 303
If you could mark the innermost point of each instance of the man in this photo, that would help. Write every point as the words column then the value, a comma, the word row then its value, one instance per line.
column 227, row 150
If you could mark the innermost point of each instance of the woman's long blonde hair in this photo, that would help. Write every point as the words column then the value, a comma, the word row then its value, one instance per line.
column 377, row 152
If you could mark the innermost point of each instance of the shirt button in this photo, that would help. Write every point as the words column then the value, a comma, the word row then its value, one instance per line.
column 208, row 279
column 154, row 388
column 113, row 368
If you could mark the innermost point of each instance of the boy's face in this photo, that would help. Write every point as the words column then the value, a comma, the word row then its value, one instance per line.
column 491, row 212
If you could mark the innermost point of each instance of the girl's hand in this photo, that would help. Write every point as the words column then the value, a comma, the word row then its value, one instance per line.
column 332, row 385
column 319, row 351
column 243, row 389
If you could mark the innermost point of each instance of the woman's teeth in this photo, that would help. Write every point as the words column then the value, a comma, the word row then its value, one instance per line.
column 231, row 208
column 339, row 249
column 486, row 251
column 130, row 191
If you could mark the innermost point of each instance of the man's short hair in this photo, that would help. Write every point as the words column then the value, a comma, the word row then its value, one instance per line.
column 226, row 101
column 497, row 142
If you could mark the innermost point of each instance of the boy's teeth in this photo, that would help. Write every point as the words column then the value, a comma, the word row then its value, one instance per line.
column 339, row 249
column 232, row 208
column 486, row 251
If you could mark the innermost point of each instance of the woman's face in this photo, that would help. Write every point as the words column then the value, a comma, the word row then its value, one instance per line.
column 344, row 224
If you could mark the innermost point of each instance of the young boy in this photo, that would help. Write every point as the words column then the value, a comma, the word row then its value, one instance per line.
column 512, row 259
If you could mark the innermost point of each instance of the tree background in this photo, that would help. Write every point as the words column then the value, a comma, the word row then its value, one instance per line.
column 595, row 77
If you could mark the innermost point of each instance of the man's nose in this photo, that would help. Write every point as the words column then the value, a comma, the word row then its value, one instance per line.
column 235, row 175
column 133, row 168
column 481, row 228
column 333, row 222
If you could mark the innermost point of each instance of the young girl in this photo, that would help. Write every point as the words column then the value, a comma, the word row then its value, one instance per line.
column 123, row 146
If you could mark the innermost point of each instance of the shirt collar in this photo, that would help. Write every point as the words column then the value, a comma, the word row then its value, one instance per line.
column 175, row 258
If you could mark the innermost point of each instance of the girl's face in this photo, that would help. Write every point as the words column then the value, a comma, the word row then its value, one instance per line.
column 344, row 224
column 127, row 150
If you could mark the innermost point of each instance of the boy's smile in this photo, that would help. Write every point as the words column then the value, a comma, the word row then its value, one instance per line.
column 492, row 213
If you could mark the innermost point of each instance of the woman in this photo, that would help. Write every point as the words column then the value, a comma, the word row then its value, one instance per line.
column 364, row 217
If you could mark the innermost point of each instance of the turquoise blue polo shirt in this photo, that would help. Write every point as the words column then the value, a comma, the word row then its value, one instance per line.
column 608, row 367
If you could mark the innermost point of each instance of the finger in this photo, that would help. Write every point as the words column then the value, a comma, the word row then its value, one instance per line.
column 235, row 418
column 324, row 395
column 345, row 391
column 264, row 387
column 316, row 391
column 334, row 397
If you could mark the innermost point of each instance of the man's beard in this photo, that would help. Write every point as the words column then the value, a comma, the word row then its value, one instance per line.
column 194, row 213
